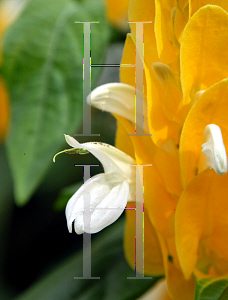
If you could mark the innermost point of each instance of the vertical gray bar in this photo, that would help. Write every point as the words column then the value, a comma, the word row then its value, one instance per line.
column 139, row 225
column 86, row 234
column 86, row 220
column 139, row 123
column 86, row 79
column 139, row 78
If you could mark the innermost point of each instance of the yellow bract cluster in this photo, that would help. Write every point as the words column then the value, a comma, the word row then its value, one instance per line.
column 185, row 86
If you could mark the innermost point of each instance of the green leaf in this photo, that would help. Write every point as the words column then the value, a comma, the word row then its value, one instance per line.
column 65, row 196
column 108, row 263
column 211, row 288
column 43, row 67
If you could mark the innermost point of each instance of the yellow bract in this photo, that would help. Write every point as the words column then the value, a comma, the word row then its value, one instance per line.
column 204, row 59
column 185, row 88
column 117, row 12
column 202, row 225
column 197, row 4
column 164, row 32
column 210, row 108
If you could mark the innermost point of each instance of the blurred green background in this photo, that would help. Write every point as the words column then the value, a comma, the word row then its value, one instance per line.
column 41, row 68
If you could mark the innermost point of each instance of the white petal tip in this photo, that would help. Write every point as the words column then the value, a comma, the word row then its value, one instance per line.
column 88, row 99
column 72, row 141
column 107, row 204
column 214, row 149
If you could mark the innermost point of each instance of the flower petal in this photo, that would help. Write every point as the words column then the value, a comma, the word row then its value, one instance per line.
column 180, row 21
column 112, row 159
column 161, row 128
column 197, row 4
column 119, row 98
column 214, row 149
column 117, row 12
column 108, row 199
column 127, row 74
column 204, row 44
column 202, row 224
column 143, row 10
column 170, row 91
column 210, row 108
column 164, row 33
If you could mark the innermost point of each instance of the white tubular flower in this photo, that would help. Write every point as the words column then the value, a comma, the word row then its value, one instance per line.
column 119, row 98
column 109, row 191
column 214, row 150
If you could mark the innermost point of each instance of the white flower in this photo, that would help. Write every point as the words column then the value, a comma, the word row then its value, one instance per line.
column 109, row 191
column 119, row 98
column 214, row 150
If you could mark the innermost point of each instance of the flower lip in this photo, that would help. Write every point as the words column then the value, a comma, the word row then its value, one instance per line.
column 119, row 98
column 112, row 91
column 112, row 159
column 107, row 203
column 214, row 149
column 108, row 192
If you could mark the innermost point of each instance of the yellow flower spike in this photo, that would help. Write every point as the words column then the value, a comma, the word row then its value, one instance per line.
column 164, row 33
column 210, row 108
column 201, row 224
column 116, row 11
column 204, row 59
